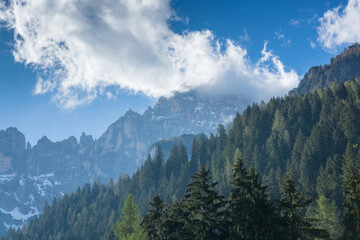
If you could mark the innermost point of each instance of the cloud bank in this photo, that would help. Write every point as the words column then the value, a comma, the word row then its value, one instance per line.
column 84, row 48
column 340, row 25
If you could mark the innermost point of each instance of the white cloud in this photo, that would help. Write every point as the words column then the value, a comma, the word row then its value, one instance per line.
column 245, row 37
column 340, row 25
column 84, row 47
column 280, row 36
column 255, row 82
column 312, row 44
column 294, row 22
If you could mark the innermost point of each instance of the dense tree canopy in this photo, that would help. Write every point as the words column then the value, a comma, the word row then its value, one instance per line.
column 305, row 135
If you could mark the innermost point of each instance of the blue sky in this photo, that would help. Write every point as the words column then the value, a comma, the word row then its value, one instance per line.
column 88, row 96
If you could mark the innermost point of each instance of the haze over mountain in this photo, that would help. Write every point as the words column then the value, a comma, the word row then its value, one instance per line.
column 29, row 176
column 74, row 65
column 308, row 143
column 108, row 58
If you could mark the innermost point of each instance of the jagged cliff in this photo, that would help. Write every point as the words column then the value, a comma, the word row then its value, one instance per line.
column 29, row 176
column 343, row 67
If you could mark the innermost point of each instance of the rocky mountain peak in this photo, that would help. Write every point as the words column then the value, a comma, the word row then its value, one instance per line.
column 43, row 141
column 130, row 113
column 71, row 141
column 86, row 140
column 28, row 146
column 11, row 138
column 49, row 169
column 343, row 67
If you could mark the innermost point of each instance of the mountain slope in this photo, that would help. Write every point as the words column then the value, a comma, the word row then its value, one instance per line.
column 305, row 135
column 128, row 138
column 343, row 67
column 29, row 176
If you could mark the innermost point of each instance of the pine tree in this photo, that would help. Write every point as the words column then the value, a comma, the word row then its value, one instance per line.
column 217, row 158
column 349, row 120
column 148, row 174
column 351, row 186
column 205, row 208
column 293, row 165
column 203, row 150
column 171, row 188
column 194, row 161
column 152, row 221
column 183, row 157
column 272, row 180
column 159, row 165
column 251, row 212
column 175, row 224
column 329, row 180
column 237, row 198
column 292, row 207
column 173, row 164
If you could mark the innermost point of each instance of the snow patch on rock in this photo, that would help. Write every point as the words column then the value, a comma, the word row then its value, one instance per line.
column 17, row 215
column 7, row 177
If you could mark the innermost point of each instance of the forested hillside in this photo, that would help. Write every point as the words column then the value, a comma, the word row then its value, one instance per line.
column 50, row 169
column 312, row 137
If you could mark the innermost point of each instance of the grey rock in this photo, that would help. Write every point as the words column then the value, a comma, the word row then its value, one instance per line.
column 33, row 175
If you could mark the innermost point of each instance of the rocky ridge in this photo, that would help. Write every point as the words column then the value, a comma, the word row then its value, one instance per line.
column 30, row 176
column 344, row 67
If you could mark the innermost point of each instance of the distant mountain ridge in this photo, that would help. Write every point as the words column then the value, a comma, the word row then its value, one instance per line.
column 343, row 67
column 188, row 113
column 309, row 137
column 29, row 176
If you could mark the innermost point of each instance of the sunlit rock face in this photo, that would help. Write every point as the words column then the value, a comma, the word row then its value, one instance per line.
column 344, row 67
column 30, row 176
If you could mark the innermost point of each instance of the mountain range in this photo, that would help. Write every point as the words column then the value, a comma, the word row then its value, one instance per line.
column 32, row 175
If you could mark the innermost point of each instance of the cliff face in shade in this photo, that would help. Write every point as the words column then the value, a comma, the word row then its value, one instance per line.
column 29, row 176
column 125, row 143
column 343, row 67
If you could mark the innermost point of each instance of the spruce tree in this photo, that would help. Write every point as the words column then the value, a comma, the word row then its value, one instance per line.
column 175, row 224
column 237, row 198
column 194, row 161
column 351, row 186
column 183, row 157
column 152, row 220
column 251, row 212
column 173, row 164
column 205, row 208
column 159, row 165
column 292, row 206
column 329, row 180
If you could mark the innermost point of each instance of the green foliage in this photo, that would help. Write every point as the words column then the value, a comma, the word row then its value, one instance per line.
column 341, row 68
column 328, row 217
column 251, row 212
column 292, row 206
column 351, row 186
column 129, row 226
column 329, row 180
column 205, row 208
column 88, row 213
column 152, row 221
column 304, row 135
